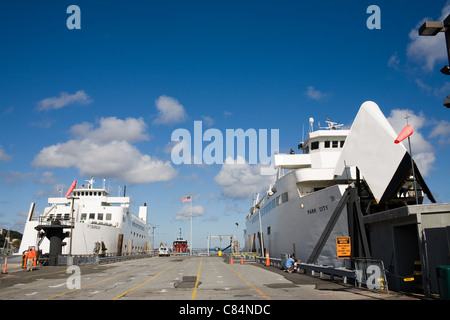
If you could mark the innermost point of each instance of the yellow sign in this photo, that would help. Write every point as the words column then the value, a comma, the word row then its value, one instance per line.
column 343, row 248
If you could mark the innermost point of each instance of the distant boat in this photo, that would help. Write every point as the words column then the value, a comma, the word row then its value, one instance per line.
column 180, row 245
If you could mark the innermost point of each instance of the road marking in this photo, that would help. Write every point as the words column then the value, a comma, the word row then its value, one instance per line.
column 248, row 283
column 128, row 291
column 36, row 285
column 58, row 285
column 119, row 275
column 196, row 282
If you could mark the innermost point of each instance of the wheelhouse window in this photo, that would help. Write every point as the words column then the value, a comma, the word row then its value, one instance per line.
column 315, row 145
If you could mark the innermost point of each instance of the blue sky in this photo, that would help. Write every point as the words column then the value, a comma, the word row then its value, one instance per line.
column 105, row 99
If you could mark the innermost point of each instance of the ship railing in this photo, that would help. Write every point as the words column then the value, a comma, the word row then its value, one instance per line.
column 331, row 271
column 60, row 221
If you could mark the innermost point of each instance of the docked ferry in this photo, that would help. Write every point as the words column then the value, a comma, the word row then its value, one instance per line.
column 291, row 216
column 93, row 222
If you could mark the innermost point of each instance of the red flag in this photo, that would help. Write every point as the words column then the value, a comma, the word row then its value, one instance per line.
column 406, row 132
column 74, row 184
column 187, row 199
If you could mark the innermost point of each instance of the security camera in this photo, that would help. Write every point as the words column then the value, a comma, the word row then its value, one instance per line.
column 447, row 101
column 446, row 70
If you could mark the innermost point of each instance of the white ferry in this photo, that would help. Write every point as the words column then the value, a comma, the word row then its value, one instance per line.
column 93, row 222
column 293, row 214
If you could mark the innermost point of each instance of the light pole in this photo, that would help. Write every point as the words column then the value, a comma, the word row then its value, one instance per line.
column 432, row 28
column 237, row 240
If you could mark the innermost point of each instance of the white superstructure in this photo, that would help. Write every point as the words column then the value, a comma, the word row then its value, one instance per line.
column 99, row 221
column 291, row 216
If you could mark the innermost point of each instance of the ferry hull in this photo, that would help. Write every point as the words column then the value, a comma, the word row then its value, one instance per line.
column 295, row 227
column 86, row 240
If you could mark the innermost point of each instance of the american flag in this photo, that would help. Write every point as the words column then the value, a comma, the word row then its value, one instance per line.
column 187, row 199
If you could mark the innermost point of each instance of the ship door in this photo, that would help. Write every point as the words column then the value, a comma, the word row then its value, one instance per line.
column 251, row 239
column 406, row 252
column 119, row 244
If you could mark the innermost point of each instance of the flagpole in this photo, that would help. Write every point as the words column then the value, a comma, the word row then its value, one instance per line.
column 413, row 172
column 191, row 226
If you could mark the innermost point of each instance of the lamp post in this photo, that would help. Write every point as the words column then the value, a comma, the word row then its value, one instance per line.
column 432, row 28
column 237, row 240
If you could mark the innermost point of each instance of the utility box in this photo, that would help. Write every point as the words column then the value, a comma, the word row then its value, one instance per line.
column 443, row 278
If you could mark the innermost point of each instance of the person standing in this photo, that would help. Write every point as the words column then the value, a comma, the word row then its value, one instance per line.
column 30, row 256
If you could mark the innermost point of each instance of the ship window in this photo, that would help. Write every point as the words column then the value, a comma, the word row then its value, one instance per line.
column 335, row 144
column 284, row 197
column 268, row 230
column 278, row 200
column 90, row 193
column 327, row 144
column 83, row 216
column 66, row 216
column 315, row 145
column 108, row 216
column 342, row 143
column 100, row 216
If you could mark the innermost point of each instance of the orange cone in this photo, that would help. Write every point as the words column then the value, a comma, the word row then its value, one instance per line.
column 4, row 266
column 231, row 261
column 267, row 259
column 242, row 260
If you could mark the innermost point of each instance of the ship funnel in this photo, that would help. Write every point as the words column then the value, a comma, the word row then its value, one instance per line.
column 143, row 210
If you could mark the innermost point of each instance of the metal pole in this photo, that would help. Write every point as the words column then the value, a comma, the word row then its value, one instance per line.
column 261, row 234
column 447, row 35
column 413, row 172
column 192, row 246
column 71, row 226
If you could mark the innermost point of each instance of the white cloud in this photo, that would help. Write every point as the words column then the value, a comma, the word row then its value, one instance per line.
column 130, row 130
column 47, row 178
column 185, row 212
column 170, row 111
column 394, row 61
column 208, row 121
column 80, row 97
column 428, row 50
column 107, row 152
column 238, row 179
column 442, row 130
column 422, row 150
column 316, row 95
column 4, row 157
